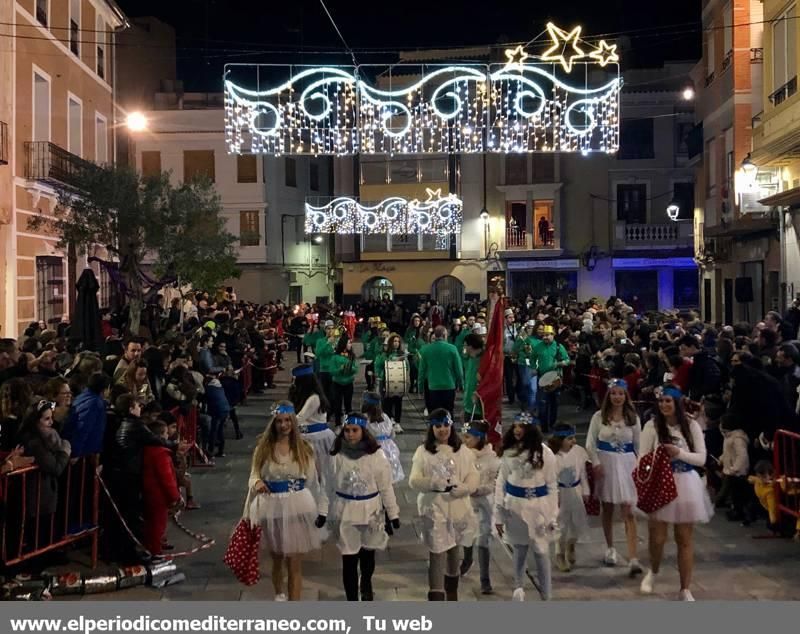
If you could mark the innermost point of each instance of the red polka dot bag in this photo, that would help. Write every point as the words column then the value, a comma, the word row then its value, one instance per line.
column 655, row 484
column 241, row 556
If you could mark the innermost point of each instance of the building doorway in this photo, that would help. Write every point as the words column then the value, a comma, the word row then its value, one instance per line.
column 377, row 288
column 640, row 284
column 448, row 291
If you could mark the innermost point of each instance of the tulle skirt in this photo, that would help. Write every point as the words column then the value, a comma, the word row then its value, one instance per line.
column 571, row 514
column 287, row 522
column 351, row 538
column 693, row 504
column 322, row 443
column 616, row 486
column 527, row 522
column 392, row 452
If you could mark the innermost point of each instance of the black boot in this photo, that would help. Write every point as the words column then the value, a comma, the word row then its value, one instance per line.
column 483, row 563
column 350, row 576
column 451, row 587
column 367, row 562
column 466, row 563
column 436, row 595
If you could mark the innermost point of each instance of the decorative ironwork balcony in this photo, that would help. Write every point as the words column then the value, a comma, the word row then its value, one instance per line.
column 784, row 92
column 669, row 235
column 756, row 55
column 49, row 163
column 3, row 143
column 521, row 240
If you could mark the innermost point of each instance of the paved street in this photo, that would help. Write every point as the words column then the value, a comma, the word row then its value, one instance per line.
column 730, row 563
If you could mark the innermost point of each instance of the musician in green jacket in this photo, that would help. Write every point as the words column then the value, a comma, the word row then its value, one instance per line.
column 392, row 351
column 324, row 353
column 441, row 368
column 472, row 405
column 368, row 340
column 550, row 356
column 414, row 342
column 526, row 366
column 310, row 340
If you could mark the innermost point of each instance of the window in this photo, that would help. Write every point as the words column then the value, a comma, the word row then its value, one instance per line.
column 74, row 127
column 543, row 223
column 49, row 288
column 683, row 193
column 543, row 167
column 516, row 169
column 727, row 30
column 784, row 58
column 403, row 171
column 516, row 224
column 101, row 140
column 710, row 53
column 632, row 203
column 373, row 172
column 313, row 177
column 101, row 48
column 41, row 11
column 151, row 164
column 711, row 165
column 74, row 26
column 198, row 164
column 246, row 168
column 290, row 169
column 41, row 108
column 636, row 139
column 249, row 233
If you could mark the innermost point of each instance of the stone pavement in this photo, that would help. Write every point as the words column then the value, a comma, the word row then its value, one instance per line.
column 730, row 562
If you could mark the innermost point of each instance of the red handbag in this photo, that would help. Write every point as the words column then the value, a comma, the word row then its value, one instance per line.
column 241, row 556
column 655, row 484
column 592, row 504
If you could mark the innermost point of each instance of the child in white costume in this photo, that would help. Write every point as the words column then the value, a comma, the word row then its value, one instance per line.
column 573, row 490
column 487, row 463
column 382, row 428
column 526, row 501
column 312, row 414
column 444, row 473
column 360, row 487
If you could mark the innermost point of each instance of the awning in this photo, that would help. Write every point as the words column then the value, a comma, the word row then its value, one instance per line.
column 743, row 227
column 788, row 198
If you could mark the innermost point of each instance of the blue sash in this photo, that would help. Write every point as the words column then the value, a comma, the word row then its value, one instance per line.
column 526, row 492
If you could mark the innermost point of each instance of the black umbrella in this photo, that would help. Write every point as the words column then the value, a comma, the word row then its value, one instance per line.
column 86, row 324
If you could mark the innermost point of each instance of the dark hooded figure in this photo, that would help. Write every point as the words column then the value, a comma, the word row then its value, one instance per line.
column 86, row 325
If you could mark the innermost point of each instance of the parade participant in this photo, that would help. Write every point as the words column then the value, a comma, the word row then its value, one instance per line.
column 283, row 480
column 382, row 428
column 445, row 476
column 526, row 502
column 323, row 351
column 343, row 372
column 414, row 341
column 573, row 491
column 367, row 340
column 487, row 463
column 312, row 409
column 440, row 368
column 311, row 338
column 361, row 481
column 510, row 333
column 683, row 440
column 612, row 444
column 458, row 341
column 392, row 351
column 474, row 346
column 550, row 356
column 526, row 367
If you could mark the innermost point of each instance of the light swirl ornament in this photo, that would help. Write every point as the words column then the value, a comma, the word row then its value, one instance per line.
column 443, row 472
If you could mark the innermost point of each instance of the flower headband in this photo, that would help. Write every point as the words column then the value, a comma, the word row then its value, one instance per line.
column 474, row 431
column 446, row 420
column 283, row 409
column 564, row 433
column 357, row 420
column 618, row 383
column 524, row 418
column 302, row 370
column 674, row 392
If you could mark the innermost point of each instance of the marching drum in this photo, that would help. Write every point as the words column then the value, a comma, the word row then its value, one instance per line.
column 550, row 381
column 396, row 377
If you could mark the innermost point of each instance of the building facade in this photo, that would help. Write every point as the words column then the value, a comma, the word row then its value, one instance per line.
column 57, row 112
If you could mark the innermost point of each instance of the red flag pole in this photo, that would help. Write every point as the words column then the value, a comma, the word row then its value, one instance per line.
column 490, row 371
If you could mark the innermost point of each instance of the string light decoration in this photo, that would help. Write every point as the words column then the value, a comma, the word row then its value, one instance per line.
column 523, row 105
column 437, row 215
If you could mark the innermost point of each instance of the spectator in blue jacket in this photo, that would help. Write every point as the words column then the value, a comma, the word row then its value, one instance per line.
column 205, row 359
column 218, row 410
column 86, row 425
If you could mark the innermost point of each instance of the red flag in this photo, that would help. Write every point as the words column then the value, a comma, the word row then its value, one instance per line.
column 490, row 385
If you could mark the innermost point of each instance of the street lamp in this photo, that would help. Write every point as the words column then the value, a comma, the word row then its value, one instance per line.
column 485, row 215
column 317, row 239
column 749, row 168
column 136, row 122
column 688, row 93
column 673, row 209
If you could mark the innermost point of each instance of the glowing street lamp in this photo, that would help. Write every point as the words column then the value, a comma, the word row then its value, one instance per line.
column 136, row 122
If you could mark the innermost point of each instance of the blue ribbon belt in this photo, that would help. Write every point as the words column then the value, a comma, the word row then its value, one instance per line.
column 314, row 427
column 569, row 486
column 347, row 496
column 627, row 447
column 679, row 466
column 285, row 486
column 526, row 492
column 383, row 437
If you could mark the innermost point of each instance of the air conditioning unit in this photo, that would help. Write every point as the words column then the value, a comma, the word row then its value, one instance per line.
column 292, row 277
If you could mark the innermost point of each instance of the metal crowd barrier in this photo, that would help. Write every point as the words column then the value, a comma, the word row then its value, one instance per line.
column 26, row 533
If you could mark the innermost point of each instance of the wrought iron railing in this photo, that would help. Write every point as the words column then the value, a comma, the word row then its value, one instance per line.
column 50, row 163
column 3, row 143
column 756, row 55
column 649, row 234
column 784, row 92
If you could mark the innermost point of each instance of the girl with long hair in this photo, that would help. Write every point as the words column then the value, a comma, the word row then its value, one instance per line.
column 361, row 487
column 135, row 380
column 612, row 444
column 526, row 502
column 312, row 409
column 683, row 440
column 283, row 481
column 414, row 341
column 392, row 351
column 445, row 476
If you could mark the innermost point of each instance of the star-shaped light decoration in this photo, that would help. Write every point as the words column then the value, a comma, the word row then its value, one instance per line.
column 565, row 49
column 605, row 53
column 433, row 194
column 516, row 58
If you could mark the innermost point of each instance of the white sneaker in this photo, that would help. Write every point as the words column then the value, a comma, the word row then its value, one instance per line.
column 519, row 595
column 611, row 557
column 280, row 597
column 634, row 568
column 648, row 582
column 397, row 429
column 686, row 595
column 425, row 412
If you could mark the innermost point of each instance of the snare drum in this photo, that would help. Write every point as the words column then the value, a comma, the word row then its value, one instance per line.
column 550, row 381
column 396, row 377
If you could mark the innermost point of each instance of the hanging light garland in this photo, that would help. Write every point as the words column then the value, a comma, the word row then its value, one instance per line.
column 438, row 215
column 518, row 106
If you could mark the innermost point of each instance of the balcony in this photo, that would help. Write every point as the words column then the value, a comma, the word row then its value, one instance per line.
column 653, row 236
column 784, row 92
column 520, row 239
column 3, row 143
column 48, row 163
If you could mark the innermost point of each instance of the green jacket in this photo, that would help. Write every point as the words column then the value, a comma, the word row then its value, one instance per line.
column 368, row 339
column 343, row 369
column 524, row 358
column 413, row 345
column 440, row 365
column 324, row 353
column 547, row 356
column 380, row 363
column 471, row 366
column 374, row 348
column 310, row 338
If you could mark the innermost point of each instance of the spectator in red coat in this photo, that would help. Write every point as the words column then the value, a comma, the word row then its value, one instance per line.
column 680, row 369
column 159, row 489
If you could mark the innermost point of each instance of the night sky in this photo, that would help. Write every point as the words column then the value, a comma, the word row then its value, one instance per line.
column 213, row 32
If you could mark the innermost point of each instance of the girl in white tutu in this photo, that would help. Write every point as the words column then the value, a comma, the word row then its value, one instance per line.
column 573, row 490
column 487, row 463
column 683, row 440
column 382, row 428
column 613, row 444
column 444, row 473
column 359, row 488
column 312, row 415
column 283, row 481
column 526, row 502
